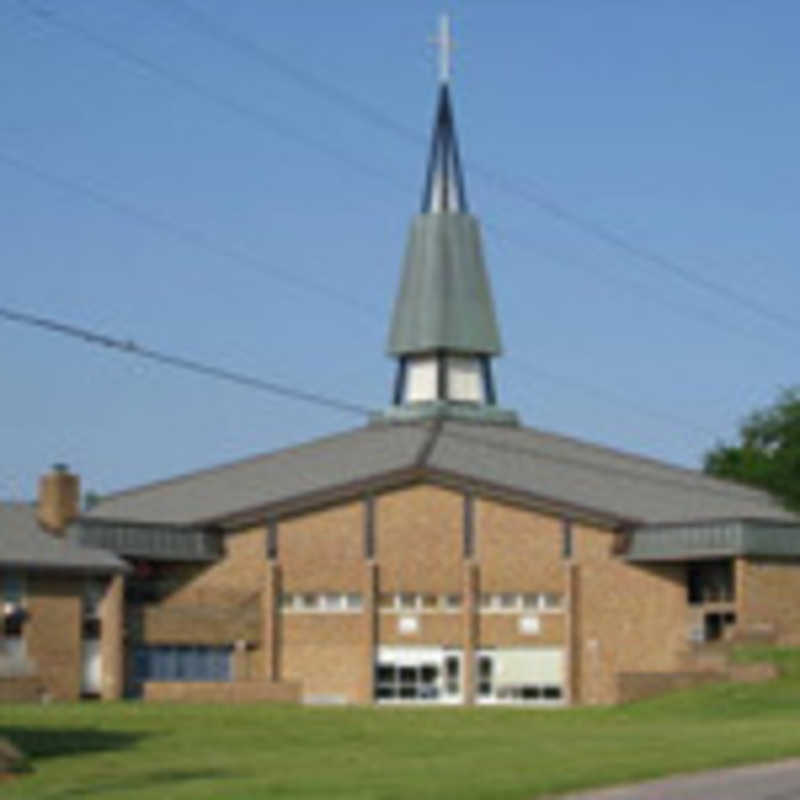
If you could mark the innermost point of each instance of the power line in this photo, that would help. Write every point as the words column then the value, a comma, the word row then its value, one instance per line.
column 614, row 397
column 280, row 127
column 194, row 236
column 198, row 239
column 249, row 382
column 180, row 362
column 186, row 234
column 354, row 104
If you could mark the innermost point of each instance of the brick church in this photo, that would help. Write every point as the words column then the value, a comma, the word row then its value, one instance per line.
column 443, row 553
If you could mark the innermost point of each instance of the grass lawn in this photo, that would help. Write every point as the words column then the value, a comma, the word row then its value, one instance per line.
column 166, row 752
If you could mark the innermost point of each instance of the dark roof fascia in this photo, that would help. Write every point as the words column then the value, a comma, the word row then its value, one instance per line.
column 702, row 523
column 69, row 569
column 177, row 527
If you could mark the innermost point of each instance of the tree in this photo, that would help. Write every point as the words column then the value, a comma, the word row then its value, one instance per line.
column 768, row 452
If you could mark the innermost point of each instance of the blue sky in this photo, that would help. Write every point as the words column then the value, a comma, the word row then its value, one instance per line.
column 673, row 124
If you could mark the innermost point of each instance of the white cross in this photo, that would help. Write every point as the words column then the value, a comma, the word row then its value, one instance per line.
column 444, row 42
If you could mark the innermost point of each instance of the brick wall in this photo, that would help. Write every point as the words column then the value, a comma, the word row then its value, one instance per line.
column 518, row 549
column 615, row 618
column 630, row 617
column 419, row 534
column 323, row 550
column 53, row 633
column 238, row 692
column 767, row 598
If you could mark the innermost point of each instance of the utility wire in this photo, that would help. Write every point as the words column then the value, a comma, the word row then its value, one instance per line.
column 376, row 116
column 281, row 128
column 198, row 239
column 186, row 234
column 187, row 364
column 247, row 381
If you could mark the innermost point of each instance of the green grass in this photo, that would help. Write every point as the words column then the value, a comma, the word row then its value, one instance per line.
column 133, row 750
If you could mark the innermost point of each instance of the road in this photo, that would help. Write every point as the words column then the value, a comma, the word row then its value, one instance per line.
column 778, row 781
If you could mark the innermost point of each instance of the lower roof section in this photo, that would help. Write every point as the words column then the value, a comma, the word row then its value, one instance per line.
column 715, row 539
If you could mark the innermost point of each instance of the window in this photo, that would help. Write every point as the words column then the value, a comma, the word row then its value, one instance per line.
column 408, row 677
column 520, row 675
column 513, row 602
column 465, row 380
column 13, row 607
column 430, row 601
column 452, row 602
column 331, row 602
column 551, row 601
column 405, row 602
column 13, row 588
column 309, row 600
column 354, row 602
column 530, row 601
column 508, row 601
column 710, row 582
column 182, row 663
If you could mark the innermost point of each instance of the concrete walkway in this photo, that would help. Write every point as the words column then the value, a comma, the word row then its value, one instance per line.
column 778, row 781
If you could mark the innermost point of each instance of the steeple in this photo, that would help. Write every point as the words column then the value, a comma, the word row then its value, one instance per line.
column 444, row 332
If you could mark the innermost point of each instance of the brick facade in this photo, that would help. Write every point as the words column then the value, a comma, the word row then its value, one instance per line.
column 609, row 618
column 767, row 592
column 53, row 633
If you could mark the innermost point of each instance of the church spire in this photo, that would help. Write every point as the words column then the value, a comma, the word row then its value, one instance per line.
column 444, row 183
column 444, row 333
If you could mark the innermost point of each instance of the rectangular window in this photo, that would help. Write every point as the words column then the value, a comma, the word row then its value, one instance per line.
column 272, row 540
column 469, row 526
column 508, row 601
column 369, row 527
column 530, row 601
column 452, row 602
column 354, row 601
column 13, row 588
column 430, row 601
column 182, row 663
column 566, row 538
column 551, row 601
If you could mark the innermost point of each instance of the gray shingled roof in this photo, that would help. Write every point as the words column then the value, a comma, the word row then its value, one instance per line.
column 271, row 478
column 24, row 544
column 525, row 461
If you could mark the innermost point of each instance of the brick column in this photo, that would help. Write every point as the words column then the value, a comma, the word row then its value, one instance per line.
column 112, row 644
column 369, row 633
column 270, row 611
column 470, row 586
column 573, row 635
column 739, row 591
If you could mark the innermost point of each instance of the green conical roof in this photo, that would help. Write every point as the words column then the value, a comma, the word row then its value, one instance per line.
column 444, row 302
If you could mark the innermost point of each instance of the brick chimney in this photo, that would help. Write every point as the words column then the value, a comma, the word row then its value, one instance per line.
column 59, row 498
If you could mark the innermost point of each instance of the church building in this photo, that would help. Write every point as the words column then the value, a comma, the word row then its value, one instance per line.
column 442, row 553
